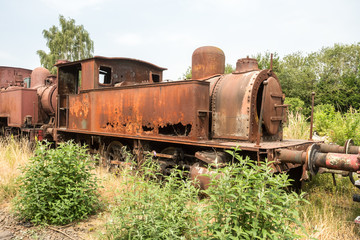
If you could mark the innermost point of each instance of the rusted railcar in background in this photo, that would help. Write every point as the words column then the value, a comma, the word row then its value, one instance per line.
column 109, row 103
column 12, row 76
column 27, row 101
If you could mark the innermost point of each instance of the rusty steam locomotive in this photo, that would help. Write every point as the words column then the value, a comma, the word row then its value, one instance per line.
column 109, row 103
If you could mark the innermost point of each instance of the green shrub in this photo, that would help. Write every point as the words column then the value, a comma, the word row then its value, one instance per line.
column 345, row 126
column 339, row 127
column 296, row 104
column 57, row 185
column 324, row 115
column 246, row 201
column 151, row 209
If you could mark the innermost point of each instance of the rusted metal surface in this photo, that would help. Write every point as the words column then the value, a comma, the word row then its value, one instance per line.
column 265, row 83
column 274, row 112
column 245, row 65
column 236, row 102
column 101, row 72
column 26, row 104
column 207, row 61
column 164, row 109
column 126, row 98
column 12, row 76
column 212, row 157
column 287, row 155
column 200, row 176
column 339, row 149
column 345, row 162
column 38, row 77
column 333, row 171
column 315, row 158
column 47, row 96
column 18, row 103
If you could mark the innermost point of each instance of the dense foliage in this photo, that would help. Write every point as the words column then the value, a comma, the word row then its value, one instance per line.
column 338, row 126
column 71, row 42
column 333, row 73
column 57, row 185
column 245, row 201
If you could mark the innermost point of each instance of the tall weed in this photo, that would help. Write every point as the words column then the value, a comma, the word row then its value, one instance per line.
column 297, row 126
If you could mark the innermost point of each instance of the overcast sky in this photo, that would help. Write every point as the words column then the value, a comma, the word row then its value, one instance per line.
column 166, row 32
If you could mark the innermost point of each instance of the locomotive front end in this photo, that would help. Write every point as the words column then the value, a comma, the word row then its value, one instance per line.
column 242, row 102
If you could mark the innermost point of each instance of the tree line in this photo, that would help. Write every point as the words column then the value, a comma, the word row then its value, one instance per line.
column 332, row 73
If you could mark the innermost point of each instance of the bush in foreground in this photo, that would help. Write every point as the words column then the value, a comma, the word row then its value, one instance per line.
column 57, row 185
column 245, row 201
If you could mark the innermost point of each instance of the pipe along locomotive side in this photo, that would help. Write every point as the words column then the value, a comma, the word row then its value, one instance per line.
column 109, row 103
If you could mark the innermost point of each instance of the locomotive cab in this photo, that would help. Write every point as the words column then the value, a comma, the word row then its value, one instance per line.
column 99, row 73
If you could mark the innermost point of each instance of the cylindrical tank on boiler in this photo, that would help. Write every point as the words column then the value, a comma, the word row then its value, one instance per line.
column 244, row 65
column 207, row 61
column 38, row 77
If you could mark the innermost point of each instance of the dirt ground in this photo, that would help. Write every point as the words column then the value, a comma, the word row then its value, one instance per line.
column 11, row 228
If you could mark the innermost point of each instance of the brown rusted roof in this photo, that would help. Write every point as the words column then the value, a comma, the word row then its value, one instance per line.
column 110, row 59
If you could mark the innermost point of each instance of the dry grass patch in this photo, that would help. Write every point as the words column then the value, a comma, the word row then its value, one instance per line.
column 111, row 184
column 331, row 212
column 296, row 126
column 13, row 154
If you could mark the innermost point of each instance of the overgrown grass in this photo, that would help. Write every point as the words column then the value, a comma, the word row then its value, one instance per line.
column 13, row 154
column 331, row 212
column 297, row 126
